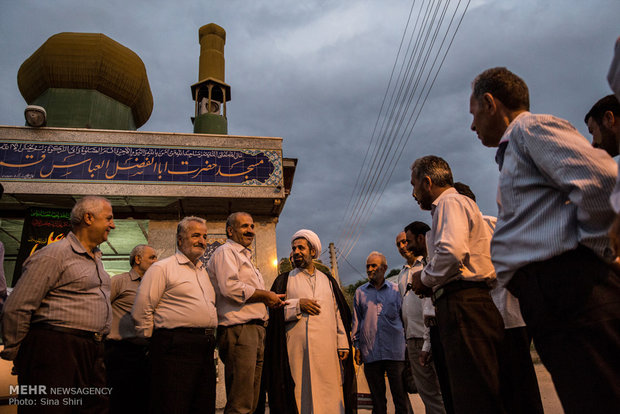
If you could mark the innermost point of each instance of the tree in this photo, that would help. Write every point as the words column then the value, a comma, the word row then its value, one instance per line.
column 349, row 291
column 393, row 272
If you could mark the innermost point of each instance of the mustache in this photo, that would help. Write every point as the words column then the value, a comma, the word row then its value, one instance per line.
column 249, row 234
column 200, row 245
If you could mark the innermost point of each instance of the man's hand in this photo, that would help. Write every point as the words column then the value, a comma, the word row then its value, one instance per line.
column 309, row 306
column 425, row 358
column 269, row 298
column 358, row 356
column 343, row 354
column 418, row 287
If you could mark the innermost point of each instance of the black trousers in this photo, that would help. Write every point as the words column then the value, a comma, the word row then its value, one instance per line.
column 442, row 370
column 183, row 372
column 375, row 373
column 471, row 331
column 520, row 390
column 571, row 305
column 128, row 374
column 59, row 360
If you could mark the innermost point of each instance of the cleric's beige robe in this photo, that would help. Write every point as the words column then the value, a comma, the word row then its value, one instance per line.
column 313, row 342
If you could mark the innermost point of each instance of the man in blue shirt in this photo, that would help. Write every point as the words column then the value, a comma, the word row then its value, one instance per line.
column 379, row 336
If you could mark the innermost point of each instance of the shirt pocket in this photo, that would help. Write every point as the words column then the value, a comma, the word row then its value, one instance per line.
column 79, row 279
column 390, row 310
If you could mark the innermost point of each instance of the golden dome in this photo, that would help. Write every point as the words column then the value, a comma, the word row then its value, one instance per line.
column 88, row 61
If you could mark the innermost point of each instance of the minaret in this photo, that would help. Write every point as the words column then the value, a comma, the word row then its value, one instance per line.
column 211, row 92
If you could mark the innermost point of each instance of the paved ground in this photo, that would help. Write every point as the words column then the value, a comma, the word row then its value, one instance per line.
column 551, row 403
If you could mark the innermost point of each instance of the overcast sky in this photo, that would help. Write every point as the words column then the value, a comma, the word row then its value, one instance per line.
column 315, row 73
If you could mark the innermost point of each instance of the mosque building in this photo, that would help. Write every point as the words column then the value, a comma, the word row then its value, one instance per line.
column 87, row 95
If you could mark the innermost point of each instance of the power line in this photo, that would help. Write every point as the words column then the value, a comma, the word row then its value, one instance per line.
column 401, row 108
column 399, row 120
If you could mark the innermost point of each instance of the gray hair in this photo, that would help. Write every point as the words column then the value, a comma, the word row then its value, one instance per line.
column 436, row 168
column 232, row 219
column 380, row 255
column 137, row 251
column 183, row 225
column 88, row 204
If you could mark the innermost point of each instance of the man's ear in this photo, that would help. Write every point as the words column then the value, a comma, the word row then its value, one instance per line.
column 489, row 103
column 88, row 218
column 609, row 120
column 427, row 183
column 420, row 238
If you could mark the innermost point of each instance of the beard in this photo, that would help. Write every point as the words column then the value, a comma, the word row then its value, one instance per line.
column 300, row 261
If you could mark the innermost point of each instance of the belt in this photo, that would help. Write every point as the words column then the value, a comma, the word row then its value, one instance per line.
column 258, row 322
column 194, row 331
column 96, row 336
column 455, row 286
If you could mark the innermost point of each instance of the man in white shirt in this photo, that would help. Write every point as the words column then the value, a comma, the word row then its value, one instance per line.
column 517, row 367
column 242, row 313
column 416, row 334
column 458, row 275
column 550, row 247
column 175, row 305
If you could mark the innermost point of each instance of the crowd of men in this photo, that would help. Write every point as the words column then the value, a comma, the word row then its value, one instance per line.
column 474, row 292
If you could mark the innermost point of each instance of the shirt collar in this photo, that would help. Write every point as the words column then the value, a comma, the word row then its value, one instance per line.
column 371, row 286
column 503, row 142
column 78, row 247
column 133, row 275
column 508, row 131
column 450, row 190
column 417, row 259
column 239, row 247
column 182, row 259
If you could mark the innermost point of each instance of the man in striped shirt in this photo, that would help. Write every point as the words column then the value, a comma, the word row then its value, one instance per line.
column 550, row 246
column 55, row 319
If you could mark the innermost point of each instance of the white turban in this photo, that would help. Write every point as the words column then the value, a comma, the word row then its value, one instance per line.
column 311, row 237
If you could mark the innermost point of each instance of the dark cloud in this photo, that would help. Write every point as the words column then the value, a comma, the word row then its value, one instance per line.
column 315, row 73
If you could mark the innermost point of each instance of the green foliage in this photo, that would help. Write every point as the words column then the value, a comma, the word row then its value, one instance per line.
column 285, row 265
column 349, row 291
column 393, row 272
